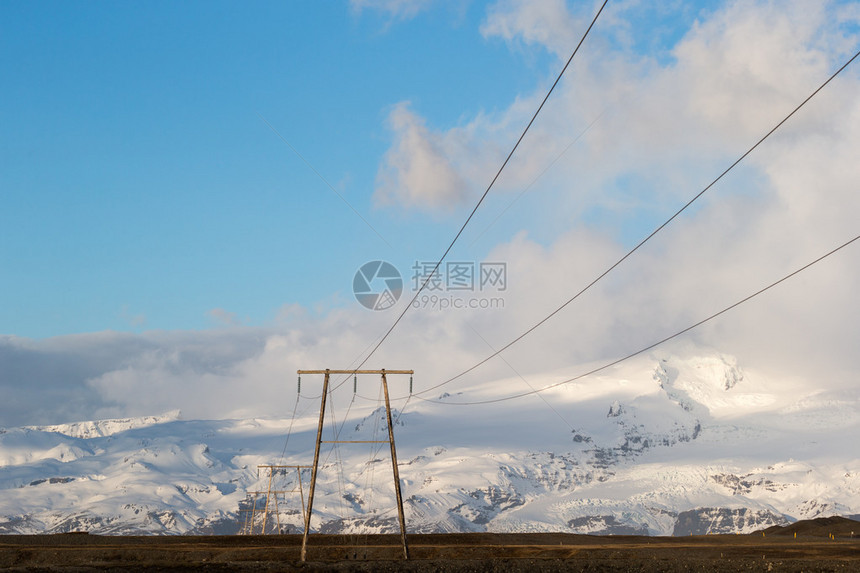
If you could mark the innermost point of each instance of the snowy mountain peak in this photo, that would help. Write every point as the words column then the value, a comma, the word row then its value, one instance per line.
column 102, row 428
column 708, row 448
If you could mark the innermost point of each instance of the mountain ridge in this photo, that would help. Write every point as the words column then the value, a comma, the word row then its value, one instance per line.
column 664, row 445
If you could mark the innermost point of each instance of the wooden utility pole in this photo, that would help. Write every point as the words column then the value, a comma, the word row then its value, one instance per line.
column 396, row 471
column 390, row 441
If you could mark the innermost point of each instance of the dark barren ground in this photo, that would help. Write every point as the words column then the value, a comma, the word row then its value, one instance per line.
column 812, row 550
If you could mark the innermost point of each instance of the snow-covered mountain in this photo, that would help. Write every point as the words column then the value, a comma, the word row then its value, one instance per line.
column 660, row 445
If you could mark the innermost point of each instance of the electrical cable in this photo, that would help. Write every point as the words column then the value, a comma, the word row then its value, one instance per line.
column 337, row 430
column 539, row 175
column 527, row 383
column 486, row 192
column 646, row 239
column 394, row 422
column 289, row 431
column 331, row 394
column 341, row 481
column 370, row 468
column 650, row 346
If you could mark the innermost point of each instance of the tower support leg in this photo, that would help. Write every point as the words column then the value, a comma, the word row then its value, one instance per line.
column 315, row 468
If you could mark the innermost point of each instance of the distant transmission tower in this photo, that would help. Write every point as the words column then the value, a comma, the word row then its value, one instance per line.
column 390, row 441
column 272, row 497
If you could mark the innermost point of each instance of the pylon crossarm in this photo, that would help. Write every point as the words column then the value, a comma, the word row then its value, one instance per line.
column 354, row 442
column 356, row 371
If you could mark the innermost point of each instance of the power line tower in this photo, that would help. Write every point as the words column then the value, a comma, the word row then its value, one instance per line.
column 251, row 514
column 248, row 512
column 272, row 494
column 390, row 441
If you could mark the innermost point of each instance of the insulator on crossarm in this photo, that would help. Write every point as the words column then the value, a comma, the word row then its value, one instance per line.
column 410, row 385
column 299, row 387
column 354, row 383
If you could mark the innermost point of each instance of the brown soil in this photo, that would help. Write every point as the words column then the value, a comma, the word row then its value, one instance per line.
column 820, row 545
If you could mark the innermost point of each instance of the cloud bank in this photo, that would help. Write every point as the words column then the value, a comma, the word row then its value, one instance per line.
column 628, row 138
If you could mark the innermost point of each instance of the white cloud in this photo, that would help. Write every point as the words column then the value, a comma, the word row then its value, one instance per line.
column 663, row 123
column 135, row 320
column 746, row 67
column 417, row 170
column 668, row 129
column 224, row 317
column 397, row 9
column 547, row 23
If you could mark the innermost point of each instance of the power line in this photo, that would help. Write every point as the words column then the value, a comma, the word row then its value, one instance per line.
column 650, row 346
column 527, row 383
column 646, row 239
column 486, row 192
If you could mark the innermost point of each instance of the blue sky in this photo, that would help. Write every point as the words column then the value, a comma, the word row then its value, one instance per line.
column 141, row 188
column 156, row 233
